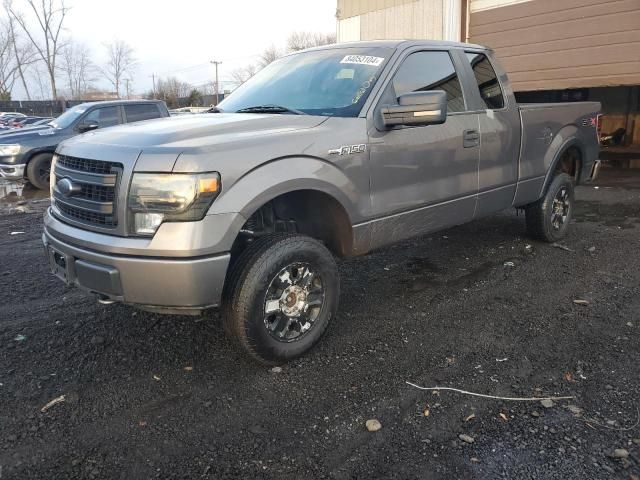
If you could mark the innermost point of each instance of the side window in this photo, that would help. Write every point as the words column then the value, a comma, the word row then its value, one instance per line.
column 103, row 117
column 423, row 71
column 141, row 111
column 487, row 81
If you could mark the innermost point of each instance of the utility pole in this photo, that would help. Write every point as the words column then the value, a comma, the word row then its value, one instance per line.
column 153, row 77
column 216, row 63
column 126, row 83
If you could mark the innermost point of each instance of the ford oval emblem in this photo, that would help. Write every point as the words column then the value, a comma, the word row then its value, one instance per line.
column 66, row 187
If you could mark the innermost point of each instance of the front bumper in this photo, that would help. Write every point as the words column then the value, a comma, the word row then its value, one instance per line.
column 165, row 284
column 12, row 172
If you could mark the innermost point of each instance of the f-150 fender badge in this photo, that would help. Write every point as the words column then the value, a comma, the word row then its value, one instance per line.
column 348, row 149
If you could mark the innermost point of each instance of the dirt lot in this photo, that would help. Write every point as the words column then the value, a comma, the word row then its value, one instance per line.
column 149, row 396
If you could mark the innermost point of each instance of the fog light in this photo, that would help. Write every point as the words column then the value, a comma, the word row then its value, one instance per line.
column 147, row 223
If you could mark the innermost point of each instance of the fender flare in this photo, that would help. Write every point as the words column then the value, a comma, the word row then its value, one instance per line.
column 37, row 151
column 569, row 142
column 285, row 175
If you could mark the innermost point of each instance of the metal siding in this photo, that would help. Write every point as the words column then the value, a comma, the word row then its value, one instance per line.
column 418, row 19
column 349, row 29
column 351, row 8
column 477, row 5
column 546, row 44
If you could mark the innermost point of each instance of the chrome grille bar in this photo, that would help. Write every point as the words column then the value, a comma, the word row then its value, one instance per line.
column 85, row 191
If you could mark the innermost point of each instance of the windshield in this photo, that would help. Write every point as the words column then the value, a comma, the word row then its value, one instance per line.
column 333, row 82
column 68, row 117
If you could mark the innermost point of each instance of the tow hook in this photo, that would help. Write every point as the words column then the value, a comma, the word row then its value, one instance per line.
column 104, row 300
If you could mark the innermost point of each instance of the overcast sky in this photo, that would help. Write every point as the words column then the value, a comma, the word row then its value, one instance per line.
column 180, row 37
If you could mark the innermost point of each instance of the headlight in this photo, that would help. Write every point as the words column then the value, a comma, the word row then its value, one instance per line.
column 155, row 198
column 8, row 150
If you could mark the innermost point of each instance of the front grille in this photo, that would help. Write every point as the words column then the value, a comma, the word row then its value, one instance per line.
column 87, row 216
column 97, row 193
column 87, row 165
column 92, row 200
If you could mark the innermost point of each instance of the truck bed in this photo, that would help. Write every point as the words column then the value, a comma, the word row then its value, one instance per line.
column 548, row 130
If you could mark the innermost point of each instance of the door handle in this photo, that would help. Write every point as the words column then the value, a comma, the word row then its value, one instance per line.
column 470, row 138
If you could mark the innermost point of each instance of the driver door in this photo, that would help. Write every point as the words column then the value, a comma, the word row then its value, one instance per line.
column 103, row 116
column 424, row 178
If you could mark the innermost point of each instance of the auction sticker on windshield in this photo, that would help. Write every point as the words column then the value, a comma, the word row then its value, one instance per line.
column 363, row 60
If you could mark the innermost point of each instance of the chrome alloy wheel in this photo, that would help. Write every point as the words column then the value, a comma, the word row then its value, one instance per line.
column 293, row 302
column 560, row 208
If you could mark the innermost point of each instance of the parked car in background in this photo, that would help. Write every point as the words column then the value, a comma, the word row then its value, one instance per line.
column 6, row 118
column 334, row 151
column 20, row 122
column 41, row 121
column 41, row 124
column 187, row 111
column 26, row 153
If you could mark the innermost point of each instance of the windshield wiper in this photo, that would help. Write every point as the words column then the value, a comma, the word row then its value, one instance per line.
column 270, row 109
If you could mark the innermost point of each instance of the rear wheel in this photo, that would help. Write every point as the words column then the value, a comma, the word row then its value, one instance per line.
column 280, row 296
column 548, row 219
column 39, row 169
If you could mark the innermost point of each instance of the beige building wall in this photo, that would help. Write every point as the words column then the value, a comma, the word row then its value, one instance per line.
column 399, row 19
column 554, row 45
column 479, row 5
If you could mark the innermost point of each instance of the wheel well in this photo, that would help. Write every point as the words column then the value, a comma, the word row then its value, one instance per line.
column 570, row 162
column 35, row 154
column 310, row 212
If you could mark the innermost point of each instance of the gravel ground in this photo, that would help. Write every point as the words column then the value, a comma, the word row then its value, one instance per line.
column 148, row 396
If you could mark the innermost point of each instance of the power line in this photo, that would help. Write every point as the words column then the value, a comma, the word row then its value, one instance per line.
column 202, row 65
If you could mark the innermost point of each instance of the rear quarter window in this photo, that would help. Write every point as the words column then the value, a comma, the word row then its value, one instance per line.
column 487, row 81
column 141, row 111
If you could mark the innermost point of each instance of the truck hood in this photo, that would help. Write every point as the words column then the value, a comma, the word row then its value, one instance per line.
column 21, row 135
column 196, row 131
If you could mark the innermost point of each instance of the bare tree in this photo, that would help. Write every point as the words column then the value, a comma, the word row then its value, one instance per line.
column 242, row 74
column 37, row 76
column 120, row 63
column 50, row 15
column 269, row 55
column 8, row 68
column 301, row 40
column 171, row 89
column 23, row 54
column 78, row 69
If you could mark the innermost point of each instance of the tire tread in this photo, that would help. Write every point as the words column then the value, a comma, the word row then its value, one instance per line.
column 237, row 293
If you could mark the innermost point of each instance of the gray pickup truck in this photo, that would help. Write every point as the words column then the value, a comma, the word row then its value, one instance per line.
column 330, row 152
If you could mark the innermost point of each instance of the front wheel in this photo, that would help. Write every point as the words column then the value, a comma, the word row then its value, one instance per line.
column 548, row 218
column 280, row 296
column 39, row 169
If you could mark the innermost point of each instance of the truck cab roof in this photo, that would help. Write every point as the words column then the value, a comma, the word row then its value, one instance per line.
column 107, row 103
column 401, row 44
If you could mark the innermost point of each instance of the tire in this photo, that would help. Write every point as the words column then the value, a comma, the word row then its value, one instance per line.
column 38, row 170
column 548, row 218
column 280, row 296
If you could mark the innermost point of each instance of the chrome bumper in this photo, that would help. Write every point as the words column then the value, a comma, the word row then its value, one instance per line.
column 595, row 170
column 12, row 172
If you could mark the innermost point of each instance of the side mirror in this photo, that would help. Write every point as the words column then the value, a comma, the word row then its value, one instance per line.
column 86, row 127
column 417, row 108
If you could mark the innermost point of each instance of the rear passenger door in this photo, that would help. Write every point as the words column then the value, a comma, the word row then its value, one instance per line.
column 423, row 178
column 500, row 136
column 137, row 112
